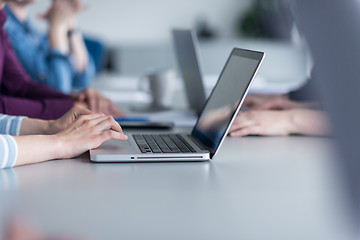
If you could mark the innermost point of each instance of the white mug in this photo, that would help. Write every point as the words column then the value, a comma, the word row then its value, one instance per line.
column 160, row 84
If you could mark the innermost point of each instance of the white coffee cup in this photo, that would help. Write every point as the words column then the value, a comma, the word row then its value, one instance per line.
column 160, row 84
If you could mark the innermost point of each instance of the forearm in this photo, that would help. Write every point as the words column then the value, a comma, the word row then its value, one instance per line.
column 87, row 132
column 37, row 148
column 310, row 122
column 58, row 37
column 31, row 126
column 83, row 80
column 79, row 51
column 303, row 105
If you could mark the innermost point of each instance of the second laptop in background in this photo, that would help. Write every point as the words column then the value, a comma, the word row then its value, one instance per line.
column 189, row 64
column 187, row 55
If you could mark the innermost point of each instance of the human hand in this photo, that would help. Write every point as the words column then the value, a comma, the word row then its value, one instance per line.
column 78, row 5
column 59, row 13
column 265, row 122
column 60, row 124
column 97, row 103
column 88, row 132
column 274, row 102
column 63, row 12
column 31, row 126
column 266, row 101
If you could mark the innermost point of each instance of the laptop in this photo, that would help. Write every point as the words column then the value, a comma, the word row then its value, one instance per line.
column 186, row 49
column 210, row 129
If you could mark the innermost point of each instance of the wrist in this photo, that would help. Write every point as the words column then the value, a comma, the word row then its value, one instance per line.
column 293, row 127
column 62, row 146
column 58, row 27
column 73, row 32
column 52, row 127
column 288, row 104
column 31, row 126
column 58, row 38
column 58, row 146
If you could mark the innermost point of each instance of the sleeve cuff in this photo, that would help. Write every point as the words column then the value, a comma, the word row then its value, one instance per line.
column 18, row 127
column 54, row 52
column 9, row 153
column 10, row 125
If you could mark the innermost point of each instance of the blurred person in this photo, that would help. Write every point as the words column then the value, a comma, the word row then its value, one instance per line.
column 275, row 102
column 281, row 123
column 59, row 58
column 26, row 141
column 19, row 95
column 304, row 97
column 281, row 115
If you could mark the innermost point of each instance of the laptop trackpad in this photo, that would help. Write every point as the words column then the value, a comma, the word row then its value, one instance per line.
column 116, row 145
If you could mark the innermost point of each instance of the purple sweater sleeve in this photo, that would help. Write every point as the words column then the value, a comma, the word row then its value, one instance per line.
column 50, row 108
column 21, row 96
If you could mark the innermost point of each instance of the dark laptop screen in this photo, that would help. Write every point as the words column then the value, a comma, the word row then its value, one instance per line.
column 225, row 99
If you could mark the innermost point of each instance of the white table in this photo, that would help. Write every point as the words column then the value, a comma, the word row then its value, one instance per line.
column 255, row 188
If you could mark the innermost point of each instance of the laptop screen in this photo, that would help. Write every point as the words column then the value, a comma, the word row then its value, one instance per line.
column 225, row 99
column 185, row 43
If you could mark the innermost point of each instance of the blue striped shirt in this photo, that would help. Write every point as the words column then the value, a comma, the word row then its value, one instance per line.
column 9, row 126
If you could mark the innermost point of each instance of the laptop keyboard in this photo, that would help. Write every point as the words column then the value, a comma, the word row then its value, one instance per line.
column 172, row 143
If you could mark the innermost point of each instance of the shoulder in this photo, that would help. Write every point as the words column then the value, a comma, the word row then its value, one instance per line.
column 14, row 29
column 22, row 31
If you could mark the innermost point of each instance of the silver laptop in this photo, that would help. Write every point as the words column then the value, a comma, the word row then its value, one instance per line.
column 186, row 49
column 208, row 133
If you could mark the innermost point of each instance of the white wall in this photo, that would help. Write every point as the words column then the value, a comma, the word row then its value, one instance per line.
column 139, row 30
column 142, row 21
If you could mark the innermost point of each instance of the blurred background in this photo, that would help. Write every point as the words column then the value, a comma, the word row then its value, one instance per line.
column 137, row 35
column 142, row 21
